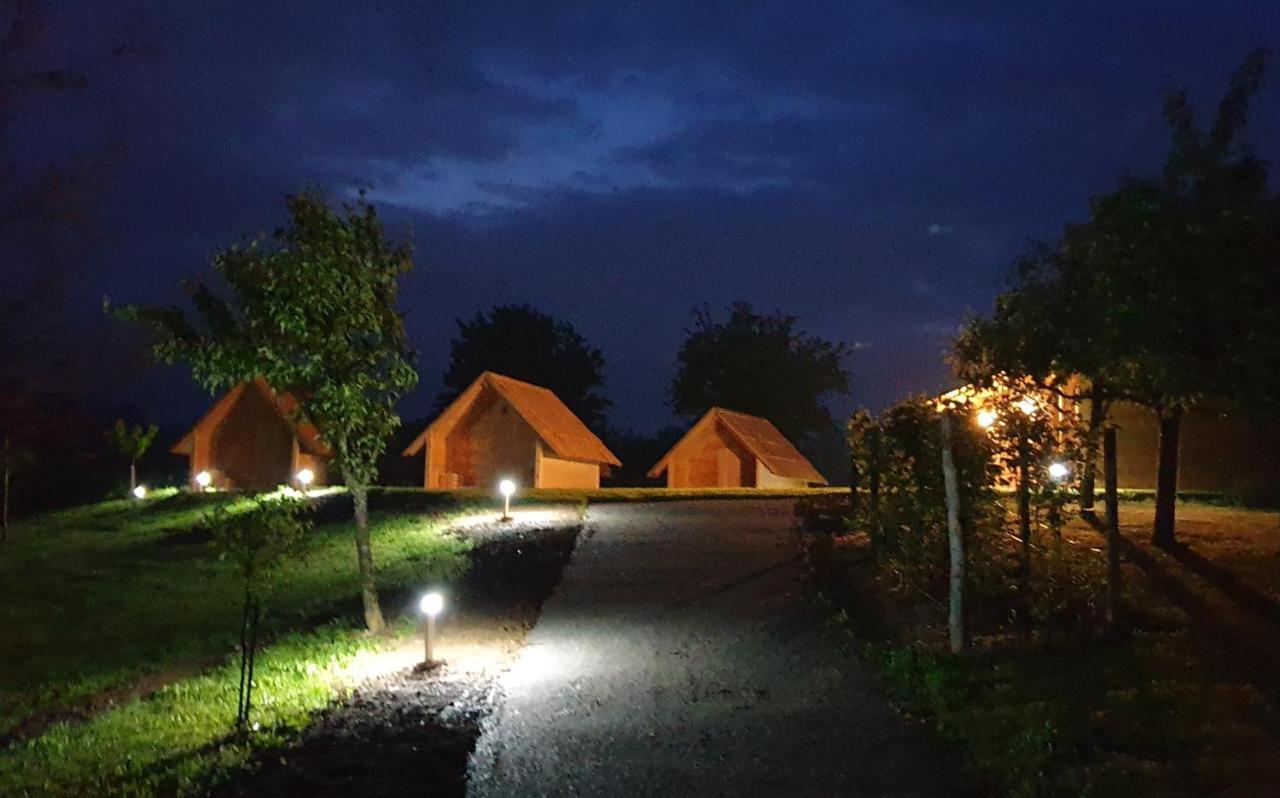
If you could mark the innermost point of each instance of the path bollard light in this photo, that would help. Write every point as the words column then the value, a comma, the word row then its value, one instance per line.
column 506, row 487
column 204, row 479
column 1058, row 471
column 430, row 606
column 305, row 477
column 140, row 492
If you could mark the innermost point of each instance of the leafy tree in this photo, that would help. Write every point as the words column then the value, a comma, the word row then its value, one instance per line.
column 132, row 443
column 256, row 541
column 759, row 364
column 1152, row 298
column 314, row 313
column 522, row 342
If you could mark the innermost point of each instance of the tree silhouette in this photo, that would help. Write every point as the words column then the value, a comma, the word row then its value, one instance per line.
column 522, row 342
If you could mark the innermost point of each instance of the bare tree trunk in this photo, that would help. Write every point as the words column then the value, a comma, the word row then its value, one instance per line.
column 133, row 475
column 1167, row 479
column 364, row 553
column 955, row 539
column 1112, row 499
column 1088, row 479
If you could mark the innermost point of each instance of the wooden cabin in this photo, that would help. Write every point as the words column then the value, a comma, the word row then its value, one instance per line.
column 249, row 440
column 727, row 449
column 1218, row 451
column 501, row 427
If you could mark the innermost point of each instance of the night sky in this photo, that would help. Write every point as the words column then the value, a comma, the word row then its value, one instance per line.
column 871, row 168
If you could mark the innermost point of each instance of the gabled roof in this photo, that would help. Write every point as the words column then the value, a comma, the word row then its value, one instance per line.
column 553, row 422
column 758, row 436
column 284, row 403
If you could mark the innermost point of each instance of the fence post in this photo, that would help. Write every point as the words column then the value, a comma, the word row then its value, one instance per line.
column 955, row 538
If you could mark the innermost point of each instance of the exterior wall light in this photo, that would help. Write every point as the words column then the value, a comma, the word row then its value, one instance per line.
column 1058, row 471
column 430, row 606
column 506, row 487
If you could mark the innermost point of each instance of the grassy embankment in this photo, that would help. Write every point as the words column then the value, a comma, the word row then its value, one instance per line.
column 103, row 603
column 1164, row 709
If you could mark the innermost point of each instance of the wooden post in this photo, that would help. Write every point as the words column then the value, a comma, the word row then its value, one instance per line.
column 1112, row 499
column 955, row 538
column 1097, row 415
column 4, row 514
column 853, row 487
column 873, row 485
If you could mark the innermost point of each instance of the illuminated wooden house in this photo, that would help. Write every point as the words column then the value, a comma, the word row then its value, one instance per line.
column 249, row 441
column 1218, row 451
column 500, row 428
column 726, row 449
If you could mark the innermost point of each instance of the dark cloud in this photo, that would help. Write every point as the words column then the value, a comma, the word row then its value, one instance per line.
column 870, row 167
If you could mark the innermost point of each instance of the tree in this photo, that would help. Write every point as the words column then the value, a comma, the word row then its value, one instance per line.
column 522, row 342
column 1196, row 244
column 1152, row 297
column 314, row 313
column 759, row 364
column 132, row 443
column 256, row 540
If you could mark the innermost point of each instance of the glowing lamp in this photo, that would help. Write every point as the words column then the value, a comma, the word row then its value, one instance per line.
column 305, row 477
column 1058, row 471
column 430, row 605
column 204, row 479
column 506, row 487
column 986, row 418
column 140, row 492
column 1027, row 405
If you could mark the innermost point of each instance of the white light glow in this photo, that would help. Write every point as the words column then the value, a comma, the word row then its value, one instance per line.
column 986, row 418
column 305, row 477
column 1027, row 405
column 431, row 604
column 140, row 492
column 204, row 479
column 1058, row 471
column 507, row 487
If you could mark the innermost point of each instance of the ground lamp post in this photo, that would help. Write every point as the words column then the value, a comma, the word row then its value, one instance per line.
column 305, row 477
column 430, row 605
column 140, row 492
column 506, row 487
column 204, row 479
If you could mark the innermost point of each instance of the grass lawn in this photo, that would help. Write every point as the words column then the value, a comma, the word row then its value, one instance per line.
column 99, row 600
column 1162, row 711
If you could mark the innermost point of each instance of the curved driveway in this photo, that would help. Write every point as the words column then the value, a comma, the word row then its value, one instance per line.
column 679, row 657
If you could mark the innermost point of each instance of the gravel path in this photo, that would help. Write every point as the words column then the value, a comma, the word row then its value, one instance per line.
column 679, row 657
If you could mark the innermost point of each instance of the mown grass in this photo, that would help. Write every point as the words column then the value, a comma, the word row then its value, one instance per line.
column 1159, row 710
column 97, row 598
column 180, row 740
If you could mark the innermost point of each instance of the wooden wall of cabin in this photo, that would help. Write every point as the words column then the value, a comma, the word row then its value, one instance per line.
column 489, row 443
column 252, row 447
column 553, row 472
column 711, row 459
column 1216, row 452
